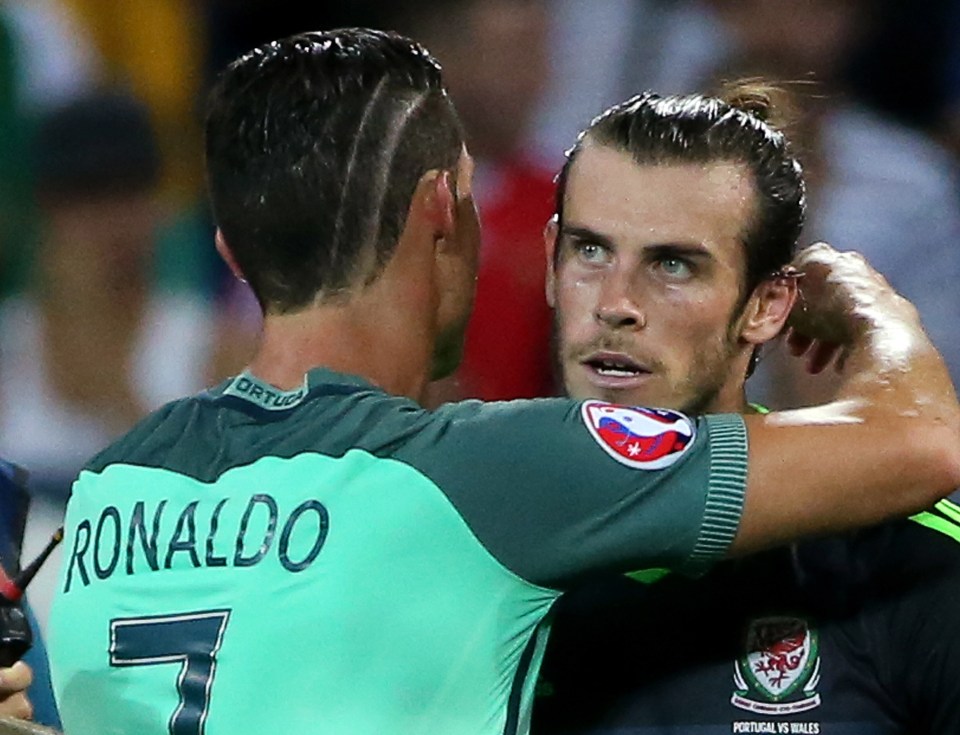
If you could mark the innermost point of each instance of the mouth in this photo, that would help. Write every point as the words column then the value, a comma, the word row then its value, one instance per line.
column 614, row 370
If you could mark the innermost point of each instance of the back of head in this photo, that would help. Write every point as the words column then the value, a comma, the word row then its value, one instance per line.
column 741, row 126
column 315, row 145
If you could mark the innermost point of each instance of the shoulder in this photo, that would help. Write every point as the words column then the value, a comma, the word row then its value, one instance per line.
column 637, row 437
column 909, row 555
column 185, row 434
column 147, row 438
column 936, row 529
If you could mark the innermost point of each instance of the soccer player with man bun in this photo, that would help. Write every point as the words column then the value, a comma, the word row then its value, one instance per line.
column 305, row 549
column 677, row 219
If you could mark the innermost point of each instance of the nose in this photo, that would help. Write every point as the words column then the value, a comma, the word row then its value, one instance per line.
column 618, row 307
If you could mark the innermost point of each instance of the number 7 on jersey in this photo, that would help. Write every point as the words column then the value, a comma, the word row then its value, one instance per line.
column 193, row 639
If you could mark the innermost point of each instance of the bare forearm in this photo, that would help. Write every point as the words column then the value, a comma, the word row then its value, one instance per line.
column 893, row 370
column 816, row 478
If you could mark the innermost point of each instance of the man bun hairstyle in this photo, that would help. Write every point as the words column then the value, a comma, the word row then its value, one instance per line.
column 758, row 98
column 314, row 146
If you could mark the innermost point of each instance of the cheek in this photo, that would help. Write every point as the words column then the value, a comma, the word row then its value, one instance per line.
column 575, row 302
column 690, row 325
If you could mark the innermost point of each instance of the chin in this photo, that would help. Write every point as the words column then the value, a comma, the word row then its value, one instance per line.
column 627, row 398
column 645, row 398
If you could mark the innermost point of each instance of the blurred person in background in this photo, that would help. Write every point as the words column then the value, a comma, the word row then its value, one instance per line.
column 45, row 60
column 92, row 345
column 155, row 48
column 495, row 61
column 165, row 52
column 660, row 258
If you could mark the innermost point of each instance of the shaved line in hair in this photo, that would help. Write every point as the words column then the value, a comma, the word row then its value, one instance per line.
column 397, row 129
column 351, row 162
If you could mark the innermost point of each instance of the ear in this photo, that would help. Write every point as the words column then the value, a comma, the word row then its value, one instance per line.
column 227, row 255
column 442, row 206
column 767, row 310
column 465, row 169
column 441, row 201
column 432, row 210
column 550, row 233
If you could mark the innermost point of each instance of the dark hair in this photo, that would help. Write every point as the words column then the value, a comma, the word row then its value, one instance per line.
column 100, row 144
column 698, row 129
column 315, row 145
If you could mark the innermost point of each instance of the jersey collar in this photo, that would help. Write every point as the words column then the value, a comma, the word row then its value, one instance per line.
column 248, row 387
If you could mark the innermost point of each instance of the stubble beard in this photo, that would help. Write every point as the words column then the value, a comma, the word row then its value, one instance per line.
column 707, row 377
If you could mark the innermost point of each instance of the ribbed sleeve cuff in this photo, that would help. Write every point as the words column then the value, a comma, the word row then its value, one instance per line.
column 728, row 484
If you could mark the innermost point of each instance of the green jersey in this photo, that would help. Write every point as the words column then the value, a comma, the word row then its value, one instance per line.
column 337, row 560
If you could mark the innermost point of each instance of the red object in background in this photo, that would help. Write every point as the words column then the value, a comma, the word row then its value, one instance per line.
column 507, row 353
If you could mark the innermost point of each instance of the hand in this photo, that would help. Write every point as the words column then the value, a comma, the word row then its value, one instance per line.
column 13, row 697
column 841, row 298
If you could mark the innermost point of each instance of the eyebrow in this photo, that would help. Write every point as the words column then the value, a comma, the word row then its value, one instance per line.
column 666, row 249
column 585, row 233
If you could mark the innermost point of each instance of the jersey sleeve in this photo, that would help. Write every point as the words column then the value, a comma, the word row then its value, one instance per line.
column 558, row 490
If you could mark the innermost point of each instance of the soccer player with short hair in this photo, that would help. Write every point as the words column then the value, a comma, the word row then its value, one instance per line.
column 676, row 218
column 308, row 530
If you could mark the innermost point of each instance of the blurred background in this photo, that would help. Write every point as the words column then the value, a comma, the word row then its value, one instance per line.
column 112, row 300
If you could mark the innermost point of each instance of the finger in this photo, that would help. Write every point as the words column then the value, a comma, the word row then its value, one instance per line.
column 820, row 356
column 798, row 343
column 16, row 678
column 465, row 175
column 818, row 252
column 18, row 706
column 841, row 360
column 10, row 726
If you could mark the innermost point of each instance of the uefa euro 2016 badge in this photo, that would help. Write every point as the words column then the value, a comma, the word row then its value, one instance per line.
column 642, row 438
column 780, row 671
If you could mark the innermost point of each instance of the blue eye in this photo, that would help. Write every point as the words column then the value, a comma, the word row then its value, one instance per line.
column 591, row 252
column 675, row 268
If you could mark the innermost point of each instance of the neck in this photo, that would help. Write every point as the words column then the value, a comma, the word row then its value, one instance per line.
column 357, row 338
column 729, row 400
column 731, row 396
